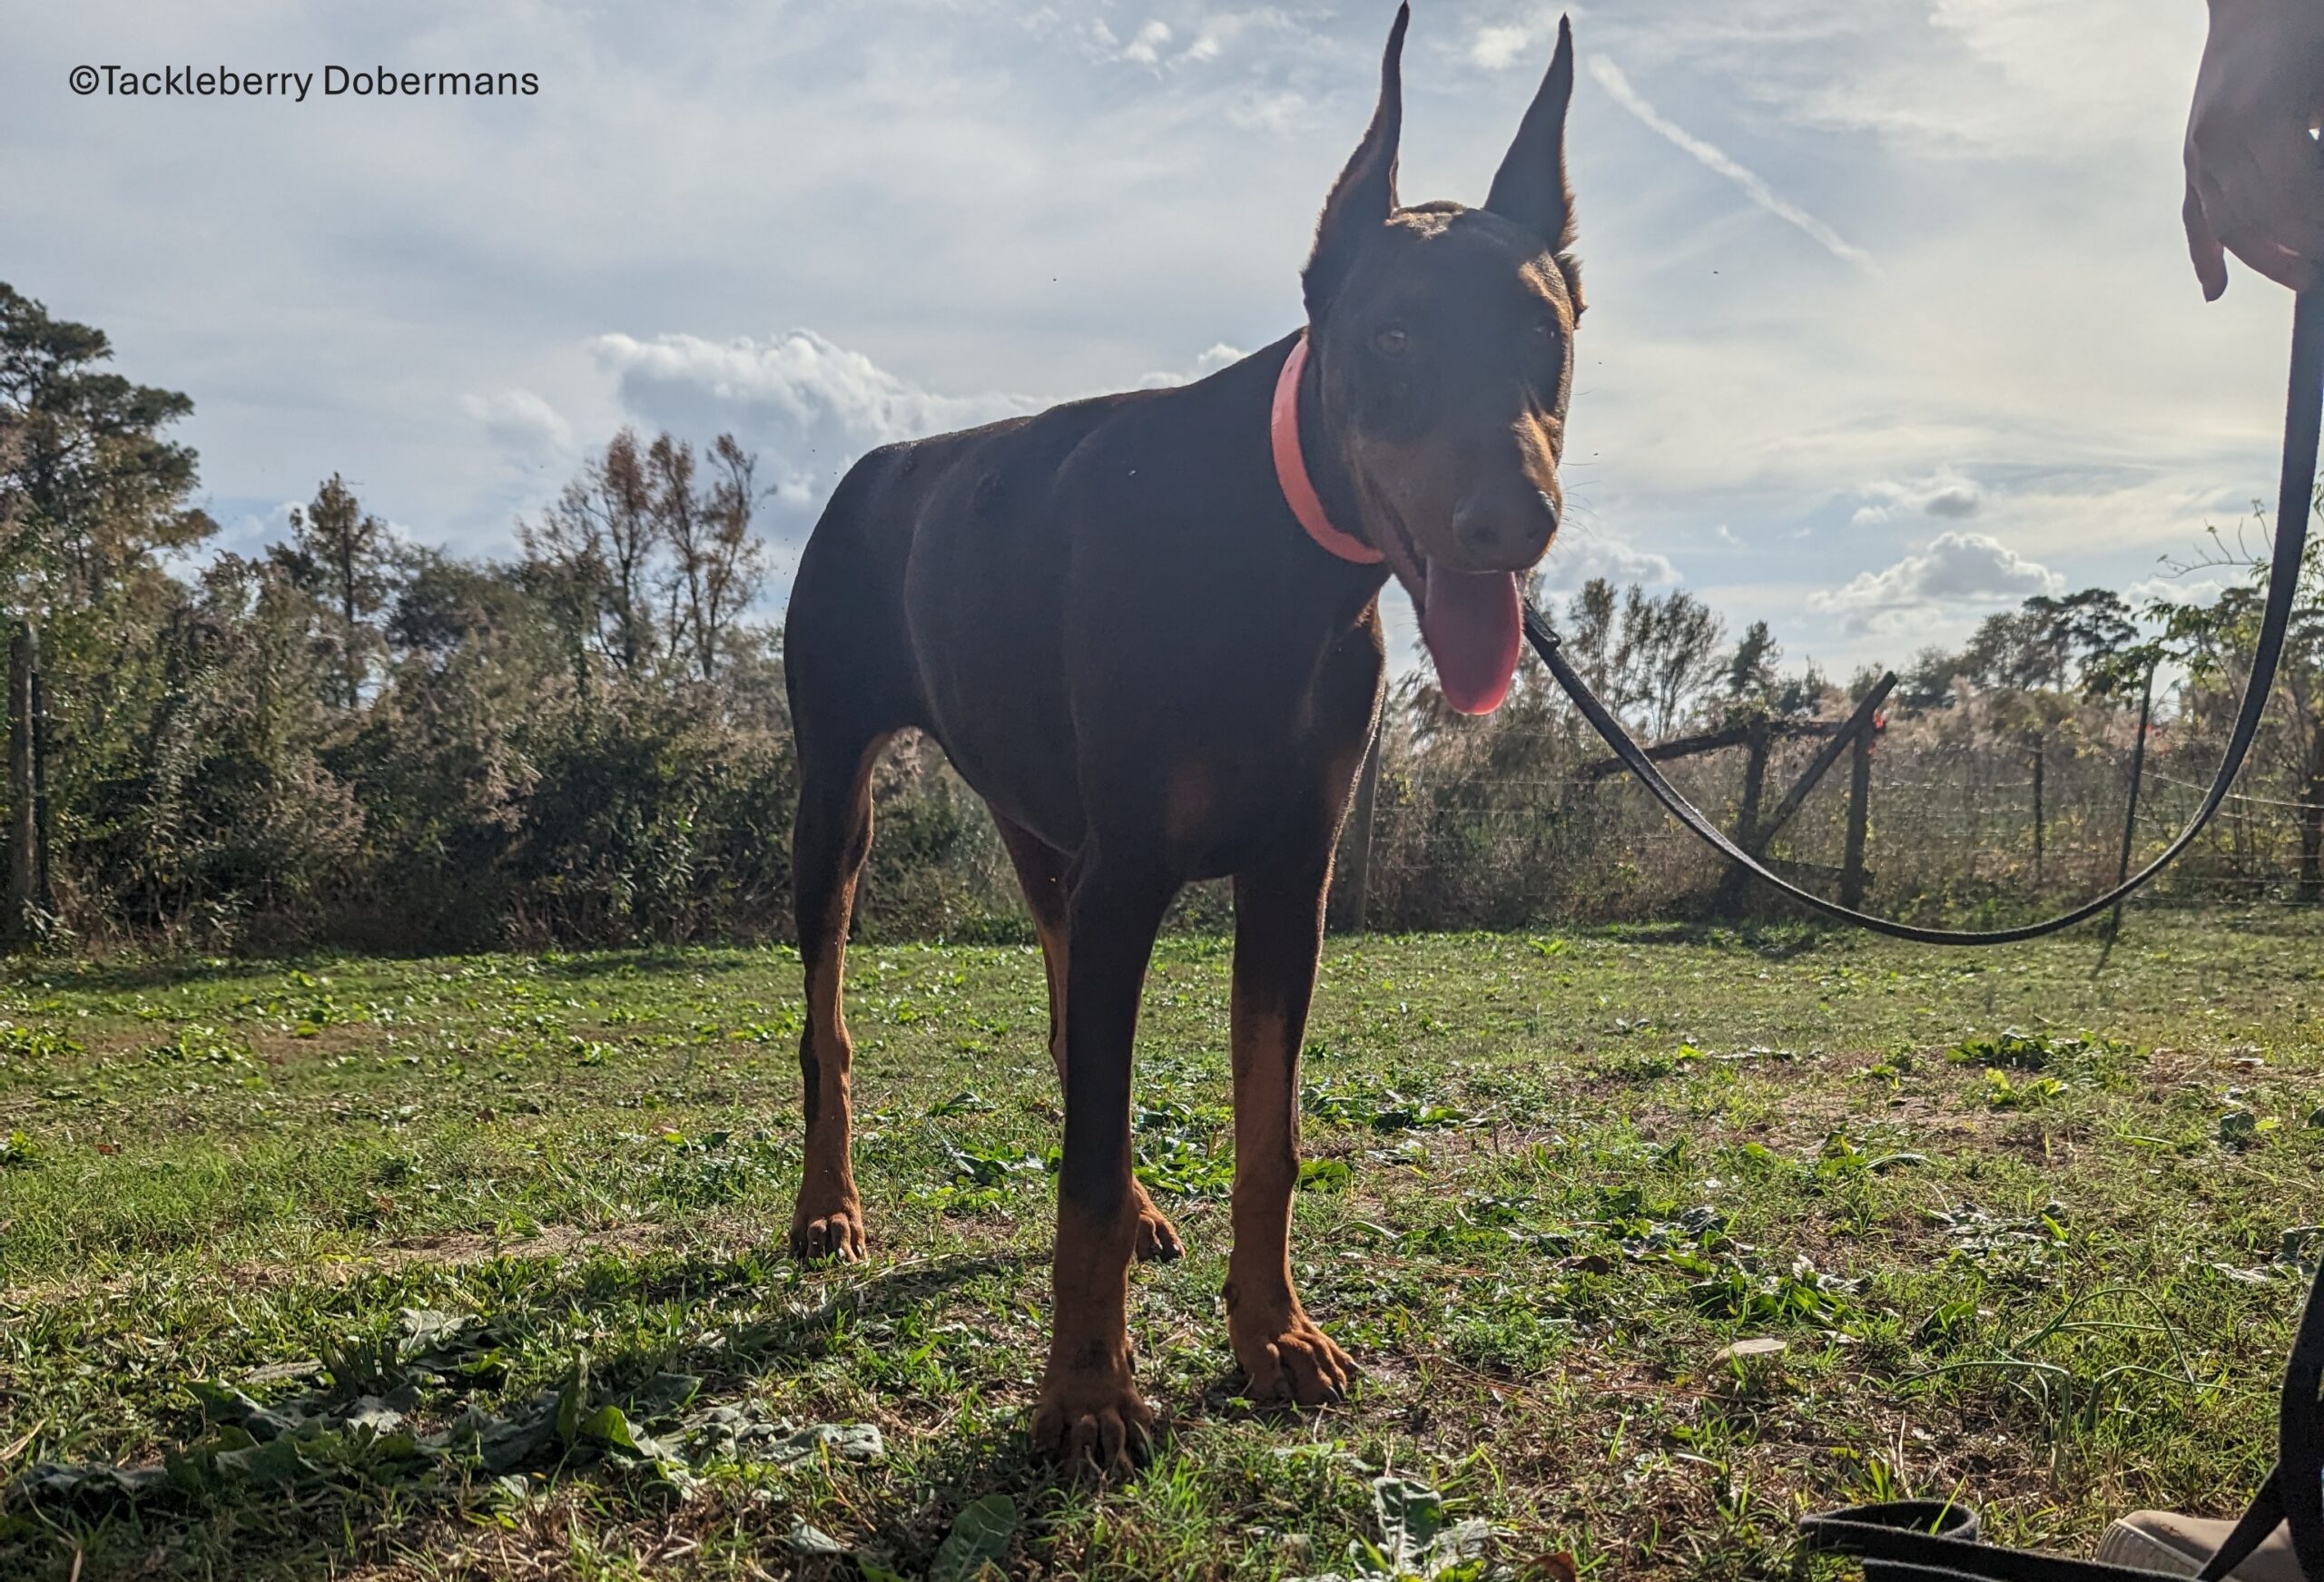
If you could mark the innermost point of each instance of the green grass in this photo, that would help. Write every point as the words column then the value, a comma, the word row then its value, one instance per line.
column 2029, row 1237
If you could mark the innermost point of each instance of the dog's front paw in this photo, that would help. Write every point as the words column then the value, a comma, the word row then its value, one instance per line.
column 1291, row 1357
column 1093, row 1418
column 832, row 1230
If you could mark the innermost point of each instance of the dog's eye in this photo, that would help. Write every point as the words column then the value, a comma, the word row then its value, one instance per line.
column 1391, row 340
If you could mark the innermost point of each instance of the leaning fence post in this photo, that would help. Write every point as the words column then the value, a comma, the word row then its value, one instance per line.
column 1356, row 896
column 23, row 812
column 1866, row 710
column 1859, row 815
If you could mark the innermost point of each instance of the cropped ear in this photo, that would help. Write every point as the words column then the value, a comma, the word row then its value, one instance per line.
column 1365, row 194
column 1531, row 187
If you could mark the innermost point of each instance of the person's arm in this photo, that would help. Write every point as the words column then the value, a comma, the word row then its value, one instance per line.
column 2255, row 178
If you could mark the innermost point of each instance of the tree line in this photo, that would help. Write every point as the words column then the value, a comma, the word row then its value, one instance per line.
column 353, row 739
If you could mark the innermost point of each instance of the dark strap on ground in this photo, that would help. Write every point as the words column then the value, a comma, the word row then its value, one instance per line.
column 1923, row 1541
column 2298, row 1481
column 2303, row 412
column 1896, row 1554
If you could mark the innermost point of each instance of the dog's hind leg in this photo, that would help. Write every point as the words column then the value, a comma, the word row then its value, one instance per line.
column 1278, row 940
column 830, row 838
column 1042, row 872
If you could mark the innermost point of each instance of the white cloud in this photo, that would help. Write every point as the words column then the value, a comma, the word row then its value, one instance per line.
column 1208, row 37
column 1271, row 111
column 1717, row 160
column 1500, row 45
column 1219, row 357
column 800, row 375
column 1147, row 48
column 1957, row 569
column 1943, row 494
column 1219, row 31
column 523, row 425
column 2201, row 585
column 809, row 406
column 1575, row 560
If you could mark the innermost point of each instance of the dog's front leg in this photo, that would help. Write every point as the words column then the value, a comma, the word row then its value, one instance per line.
column 1278, row 940
column 1089, row 1407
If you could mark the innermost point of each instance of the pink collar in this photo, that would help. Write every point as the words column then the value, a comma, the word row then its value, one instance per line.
column 1291, row 466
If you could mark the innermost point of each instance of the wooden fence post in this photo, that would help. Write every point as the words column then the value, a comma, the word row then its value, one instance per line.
column 1355, row 894
column 1746, row 817
column 23, row 812
column 2041, row 757
column 1859, row 817
column 2131, row 810
column 44, row 890
column 1755, row 785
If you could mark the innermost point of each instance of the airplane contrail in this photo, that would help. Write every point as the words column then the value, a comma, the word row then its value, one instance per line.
column 1711, row 157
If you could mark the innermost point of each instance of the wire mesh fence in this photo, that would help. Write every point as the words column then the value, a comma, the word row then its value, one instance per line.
column 1975, row 817
column 1969, row 824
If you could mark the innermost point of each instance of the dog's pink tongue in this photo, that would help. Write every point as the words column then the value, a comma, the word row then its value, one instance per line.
column 1470, row 622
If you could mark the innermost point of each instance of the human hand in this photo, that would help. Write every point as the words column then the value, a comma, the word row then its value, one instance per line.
column 2255, row 178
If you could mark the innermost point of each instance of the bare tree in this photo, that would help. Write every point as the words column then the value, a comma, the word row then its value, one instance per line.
column 1678, row 642
column 720, row 560
column 669, row 476
column 1659, row 655
column 598, row 542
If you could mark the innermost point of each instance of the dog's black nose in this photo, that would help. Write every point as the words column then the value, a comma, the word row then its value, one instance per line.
column 1506, row 526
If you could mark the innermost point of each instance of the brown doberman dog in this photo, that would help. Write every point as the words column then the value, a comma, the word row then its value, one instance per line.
column 1146, row 629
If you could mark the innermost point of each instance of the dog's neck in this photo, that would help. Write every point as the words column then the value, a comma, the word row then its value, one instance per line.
column 1327, row 471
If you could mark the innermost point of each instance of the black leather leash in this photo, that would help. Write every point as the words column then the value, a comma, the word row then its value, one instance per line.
column 2304, row 411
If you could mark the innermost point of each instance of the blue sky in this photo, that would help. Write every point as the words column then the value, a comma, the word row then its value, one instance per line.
column 1890, row 322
